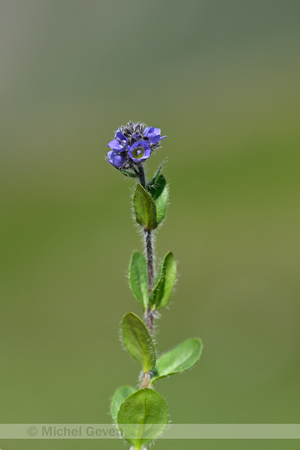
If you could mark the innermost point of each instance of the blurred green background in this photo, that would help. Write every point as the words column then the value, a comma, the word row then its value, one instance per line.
column 221, row 78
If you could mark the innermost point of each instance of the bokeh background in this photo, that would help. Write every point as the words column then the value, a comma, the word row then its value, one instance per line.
column 221, row 78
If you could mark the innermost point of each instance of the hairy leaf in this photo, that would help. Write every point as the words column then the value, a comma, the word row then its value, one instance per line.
column 154, row 179
column 142, row 417
column 128, row 173
column 119, row 397
column 162, row 291
column 138, row 278
column 138, row 341
column 181, row 358
column 159, row 191
column 145, row 209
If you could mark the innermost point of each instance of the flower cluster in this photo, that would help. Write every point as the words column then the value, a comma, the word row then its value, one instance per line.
column 133, row 144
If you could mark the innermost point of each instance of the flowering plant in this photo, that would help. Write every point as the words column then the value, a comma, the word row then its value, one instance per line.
column 141, row 414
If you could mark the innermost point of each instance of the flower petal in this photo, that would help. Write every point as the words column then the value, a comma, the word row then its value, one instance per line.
column 120, row 136
column 117, row 146
column 139, row 151
column 153, row 134
column 115, row 159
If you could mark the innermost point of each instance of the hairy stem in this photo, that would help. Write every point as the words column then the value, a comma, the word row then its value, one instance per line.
column 150, row 266
column 150, row 260
column 146, row 380
column 149, row 314
column 141, row 175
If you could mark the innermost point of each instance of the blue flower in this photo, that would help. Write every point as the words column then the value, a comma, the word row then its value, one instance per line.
column 153, row 134
column 139, row 151
column 120, row 143
column 132, row 145
column 116, row 159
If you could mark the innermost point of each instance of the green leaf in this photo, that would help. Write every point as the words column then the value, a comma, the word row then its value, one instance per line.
column 119, row 397
column 138, row 341
column 145, row 209
column 159, row 191
column 157, row 187
column 138, row 278
column 142, row 417
column 181, row 358
column 154, row 179
column 162, row 291
column 128, row 173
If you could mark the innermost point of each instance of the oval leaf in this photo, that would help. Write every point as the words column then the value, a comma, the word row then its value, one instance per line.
column 144, row 208
column 181, row 358
column 119, row 397
column 162, row 291
column 138, row 341
column 159, row 191
column 142, row 417
column 138, row 278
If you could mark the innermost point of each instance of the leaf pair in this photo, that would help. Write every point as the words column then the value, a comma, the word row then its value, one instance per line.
column 141, row 415
column 138, row 281
column 150, row 205
column 139, row 344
